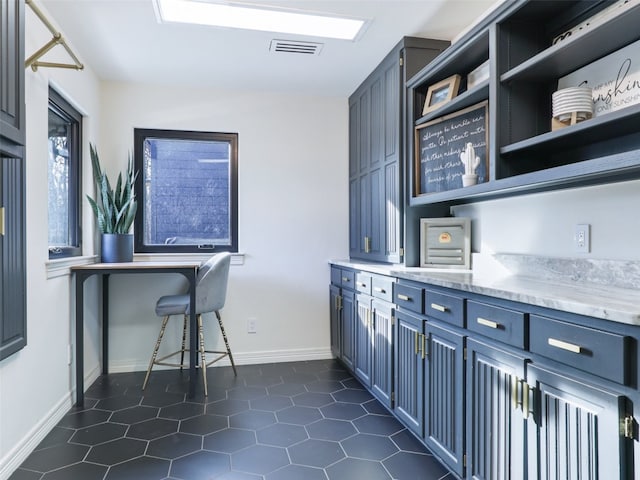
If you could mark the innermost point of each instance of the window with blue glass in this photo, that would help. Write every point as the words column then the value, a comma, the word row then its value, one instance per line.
column 64, row 173
column 187, row 190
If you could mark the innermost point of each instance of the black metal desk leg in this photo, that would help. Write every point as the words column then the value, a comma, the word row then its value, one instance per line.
column 80, row 278
column 193, row 337
column 105, row 324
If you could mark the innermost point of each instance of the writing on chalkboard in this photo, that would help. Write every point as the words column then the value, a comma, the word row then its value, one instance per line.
column 441, row 146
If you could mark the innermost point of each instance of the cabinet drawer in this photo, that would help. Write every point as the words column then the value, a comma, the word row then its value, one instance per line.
column 409, row 297
column 444, row 307
column 595, row 351
column 348, row 279
column 336, row 276
column 382, row 287
column 363, row 283
column 499, row 323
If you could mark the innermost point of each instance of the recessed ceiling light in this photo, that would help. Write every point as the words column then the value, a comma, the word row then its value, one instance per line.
column 254, row 17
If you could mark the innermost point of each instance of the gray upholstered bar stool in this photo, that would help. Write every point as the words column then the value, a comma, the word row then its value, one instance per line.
column 211, row 292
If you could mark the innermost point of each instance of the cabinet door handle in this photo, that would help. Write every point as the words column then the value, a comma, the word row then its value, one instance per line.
column 405, row 298
column 439, row 308
column 2, row 221
column 367, row 245
column 379, row 290
column 514, row 392
column 424, row 346
column 416, row 342
column 525, row 400
column 570, row 347
column 487, row 323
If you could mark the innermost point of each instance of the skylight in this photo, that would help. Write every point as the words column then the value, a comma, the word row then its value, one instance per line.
column 254, row 17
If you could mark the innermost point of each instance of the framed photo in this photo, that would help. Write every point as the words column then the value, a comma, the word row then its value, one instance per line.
column 440, row 93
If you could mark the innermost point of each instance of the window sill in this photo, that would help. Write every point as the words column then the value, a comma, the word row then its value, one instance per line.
column 62, row 266
column 236, row 258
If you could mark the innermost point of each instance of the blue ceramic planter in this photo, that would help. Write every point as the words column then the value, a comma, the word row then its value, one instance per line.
column 116, row 247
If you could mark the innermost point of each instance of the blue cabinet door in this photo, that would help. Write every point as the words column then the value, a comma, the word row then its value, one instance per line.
column 348, row 329
column 335, row 323
column 495, row 422
column 579, row 429
column 363, row 327
column 409, row 372
column 444, row 395
column 13, row 326
column 382, row 361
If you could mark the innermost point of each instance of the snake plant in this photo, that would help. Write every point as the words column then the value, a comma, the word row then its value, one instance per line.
column 114, row 209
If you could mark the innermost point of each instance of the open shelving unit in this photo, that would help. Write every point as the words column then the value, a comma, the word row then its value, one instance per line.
column 524, row 154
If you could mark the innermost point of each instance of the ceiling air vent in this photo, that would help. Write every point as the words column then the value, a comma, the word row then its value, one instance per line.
column 294, row 46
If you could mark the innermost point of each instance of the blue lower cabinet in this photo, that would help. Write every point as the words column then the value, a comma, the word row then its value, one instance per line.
column 382, row 357
column 363, row 329
column 409, row 372
column 348, row 329
column 496, row 390
column 495, row 421
column 582, row 430
column 444, row 394
column 335, row 320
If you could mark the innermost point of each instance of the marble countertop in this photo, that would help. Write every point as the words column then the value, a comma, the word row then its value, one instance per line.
column 594, row 292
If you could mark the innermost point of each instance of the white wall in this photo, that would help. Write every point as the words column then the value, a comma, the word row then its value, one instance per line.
column 292, row 216
column 36, row 383
column 544, row 223
column 292, row 221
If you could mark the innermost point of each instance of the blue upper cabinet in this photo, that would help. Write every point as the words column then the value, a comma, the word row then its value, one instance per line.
column 12, row 109
column 376, row 112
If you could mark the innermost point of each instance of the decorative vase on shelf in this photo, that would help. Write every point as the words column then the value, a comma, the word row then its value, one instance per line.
column 469, row 179
column 115, row 210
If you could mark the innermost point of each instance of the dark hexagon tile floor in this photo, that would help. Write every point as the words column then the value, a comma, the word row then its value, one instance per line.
column 282, row 421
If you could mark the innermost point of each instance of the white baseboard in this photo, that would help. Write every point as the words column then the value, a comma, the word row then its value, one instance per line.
column 19, row 453
column 241, row 358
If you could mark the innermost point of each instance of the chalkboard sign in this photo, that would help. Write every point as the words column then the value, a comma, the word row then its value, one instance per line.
column 442, row 146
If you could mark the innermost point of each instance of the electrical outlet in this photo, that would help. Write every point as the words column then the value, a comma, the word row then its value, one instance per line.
column 582, row 238
column 251, row 325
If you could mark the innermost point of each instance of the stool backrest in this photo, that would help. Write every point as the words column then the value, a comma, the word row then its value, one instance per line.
column 211, row 284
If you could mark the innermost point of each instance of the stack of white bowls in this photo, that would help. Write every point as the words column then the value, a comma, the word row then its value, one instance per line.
column 573, row 99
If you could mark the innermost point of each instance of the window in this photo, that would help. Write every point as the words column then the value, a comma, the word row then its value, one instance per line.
column 187, row 190
column 64, row 173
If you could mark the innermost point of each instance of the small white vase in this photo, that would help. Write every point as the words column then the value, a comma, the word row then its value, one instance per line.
column 469, row 179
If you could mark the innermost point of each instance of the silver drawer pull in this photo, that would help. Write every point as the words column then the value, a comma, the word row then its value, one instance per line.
column 570, row 347
column 362, row 284
column 439, row 308
column 379, row 290
column 345, row 279
column 406, row 298
column 487, row 323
